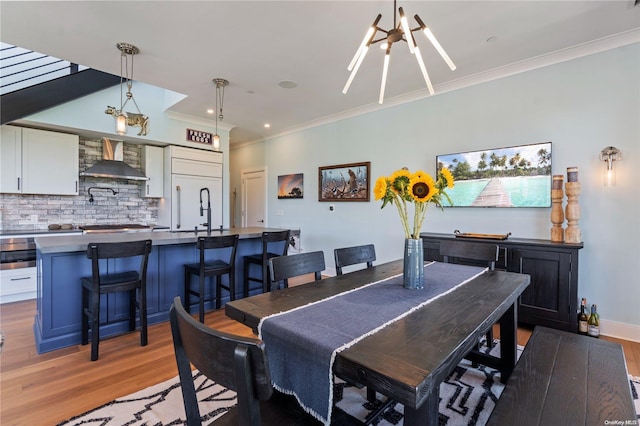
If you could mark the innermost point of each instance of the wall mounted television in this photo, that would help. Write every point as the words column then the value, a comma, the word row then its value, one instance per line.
column 516, row 176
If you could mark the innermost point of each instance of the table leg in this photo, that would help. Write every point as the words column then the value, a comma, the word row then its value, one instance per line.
column 508, row 342
column 427, row 413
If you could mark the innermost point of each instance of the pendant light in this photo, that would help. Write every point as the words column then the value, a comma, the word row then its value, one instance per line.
column 400, row 32
column 220, row 83
column 127, row 52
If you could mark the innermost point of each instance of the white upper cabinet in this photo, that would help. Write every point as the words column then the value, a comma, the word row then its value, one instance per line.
column 153, row 168
column 11, row 160
column 39, row 162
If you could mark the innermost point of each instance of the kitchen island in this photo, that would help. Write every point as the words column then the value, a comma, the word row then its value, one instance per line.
column 62, row 261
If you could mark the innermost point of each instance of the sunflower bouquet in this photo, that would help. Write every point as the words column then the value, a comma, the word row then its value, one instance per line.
column 419, row 188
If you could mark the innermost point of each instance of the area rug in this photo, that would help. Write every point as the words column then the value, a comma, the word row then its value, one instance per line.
column 467, row 397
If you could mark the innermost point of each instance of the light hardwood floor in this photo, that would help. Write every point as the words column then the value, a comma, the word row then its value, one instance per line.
column 48, row 388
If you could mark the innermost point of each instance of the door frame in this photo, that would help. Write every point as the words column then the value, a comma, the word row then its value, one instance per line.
column 243, row 174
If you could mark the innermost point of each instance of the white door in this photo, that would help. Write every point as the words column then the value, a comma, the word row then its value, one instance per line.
column 186, row 207
column 254, row 198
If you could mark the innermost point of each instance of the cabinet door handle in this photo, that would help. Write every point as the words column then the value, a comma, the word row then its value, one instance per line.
column 20, row 279
column 521, row 265
column 178, row 197
column 18, row 183
column 147, row 189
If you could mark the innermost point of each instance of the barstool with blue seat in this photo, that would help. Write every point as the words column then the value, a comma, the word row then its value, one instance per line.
column 134, row 282
column 274, row 244
column 212, row 268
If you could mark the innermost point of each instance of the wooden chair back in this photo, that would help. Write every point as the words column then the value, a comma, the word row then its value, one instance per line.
column 235, row 362
column 481, row 252
column 275, row 243
column 97, row 251
column 354, row 255
column 284, row 267
column 218, row 243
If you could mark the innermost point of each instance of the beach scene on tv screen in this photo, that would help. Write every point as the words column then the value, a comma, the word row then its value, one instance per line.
column 518, row 176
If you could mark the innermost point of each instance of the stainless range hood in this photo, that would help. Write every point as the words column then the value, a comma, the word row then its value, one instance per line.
column 112, row 165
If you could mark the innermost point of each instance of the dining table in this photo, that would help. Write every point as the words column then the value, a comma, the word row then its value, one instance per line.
column 366, row 328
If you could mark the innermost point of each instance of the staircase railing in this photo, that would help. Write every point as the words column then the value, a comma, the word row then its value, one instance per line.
column 21, row 68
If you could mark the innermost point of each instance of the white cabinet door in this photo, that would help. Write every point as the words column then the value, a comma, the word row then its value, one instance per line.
column 50, row 162
column 11, row 160
column 153, row 168
column 185, row 206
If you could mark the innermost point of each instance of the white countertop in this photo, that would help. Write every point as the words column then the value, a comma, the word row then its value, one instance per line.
column 74, row 243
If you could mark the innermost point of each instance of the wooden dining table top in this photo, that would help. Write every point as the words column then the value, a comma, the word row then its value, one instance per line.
column 408, row 359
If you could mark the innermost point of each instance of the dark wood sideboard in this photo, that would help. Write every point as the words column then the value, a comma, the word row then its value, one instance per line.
column 551, row 299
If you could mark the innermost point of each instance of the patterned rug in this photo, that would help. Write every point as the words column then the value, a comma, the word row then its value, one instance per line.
column 467, row 397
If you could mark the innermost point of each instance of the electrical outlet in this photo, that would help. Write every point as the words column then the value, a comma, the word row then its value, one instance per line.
column 34, row 218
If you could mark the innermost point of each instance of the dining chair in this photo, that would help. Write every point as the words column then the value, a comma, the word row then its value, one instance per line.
column 274, row 244
column 133, row 282
column 480, row 253
column 223, row 246
column 284, row 267
column 235, row 362
column 348, row 256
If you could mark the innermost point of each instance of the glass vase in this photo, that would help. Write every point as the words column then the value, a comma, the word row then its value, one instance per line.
column 413, row 277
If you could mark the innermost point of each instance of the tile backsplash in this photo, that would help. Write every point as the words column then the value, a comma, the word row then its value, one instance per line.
column 27, row 212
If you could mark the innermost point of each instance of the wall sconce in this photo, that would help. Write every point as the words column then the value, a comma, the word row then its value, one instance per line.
column 609, row 155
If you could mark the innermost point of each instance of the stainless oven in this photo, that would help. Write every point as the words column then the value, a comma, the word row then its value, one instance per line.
column 17, row 253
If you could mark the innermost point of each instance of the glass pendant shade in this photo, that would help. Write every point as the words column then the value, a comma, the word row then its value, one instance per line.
column 121, row 124
column 216, row 142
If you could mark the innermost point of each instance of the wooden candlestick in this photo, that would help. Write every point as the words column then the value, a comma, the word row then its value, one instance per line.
column 572, row 233
column 557, row 215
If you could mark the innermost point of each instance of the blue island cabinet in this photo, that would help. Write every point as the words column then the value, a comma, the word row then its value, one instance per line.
column 59, row 310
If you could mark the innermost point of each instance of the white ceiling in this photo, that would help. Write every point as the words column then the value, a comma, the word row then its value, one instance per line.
column 257, row 44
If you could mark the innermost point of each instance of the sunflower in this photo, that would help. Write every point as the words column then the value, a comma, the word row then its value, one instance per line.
column 421, row 187
column 381, row 188
column 404, row 188
column 400, row 180
column 448, row 177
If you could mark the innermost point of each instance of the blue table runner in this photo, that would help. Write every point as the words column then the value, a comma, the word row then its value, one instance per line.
column 302, row 343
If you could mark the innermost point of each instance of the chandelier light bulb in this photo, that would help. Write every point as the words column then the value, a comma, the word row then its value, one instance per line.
column 385, row 70
column 121, row 124
column 406, row 29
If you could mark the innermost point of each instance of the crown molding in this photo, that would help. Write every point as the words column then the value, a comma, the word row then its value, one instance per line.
column 197, row 120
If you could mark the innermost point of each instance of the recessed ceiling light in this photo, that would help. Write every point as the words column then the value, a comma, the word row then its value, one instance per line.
column 288, row 84
column 209, row 111
column 267, row 125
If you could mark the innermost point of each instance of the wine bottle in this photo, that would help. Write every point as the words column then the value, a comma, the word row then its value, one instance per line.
column 594, row 323
column 583, row 319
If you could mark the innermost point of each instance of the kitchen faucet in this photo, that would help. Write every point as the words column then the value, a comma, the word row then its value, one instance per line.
column 208, row 224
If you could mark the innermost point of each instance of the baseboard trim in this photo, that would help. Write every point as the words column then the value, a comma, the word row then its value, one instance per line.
column 620, row 330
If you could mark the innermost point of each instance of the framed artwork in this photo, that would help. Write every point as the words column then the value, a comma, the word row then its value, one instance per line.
column 290, row 186
column 344, row 182
column 515, row 176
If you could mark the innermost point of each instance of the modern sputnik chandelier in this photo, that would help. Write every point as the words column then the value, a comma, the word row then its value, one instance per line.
column 399, row 32
column 220, row 83
column 126, row 78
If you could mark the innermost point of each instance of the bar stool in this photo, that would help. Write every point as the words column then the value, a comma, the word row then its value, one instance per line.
column 212, row 268
column 135, row 282
column 274, row 244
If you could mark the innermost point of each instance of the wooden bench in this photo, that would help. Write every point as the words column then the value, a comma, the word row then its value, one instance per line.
column 566, row 379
